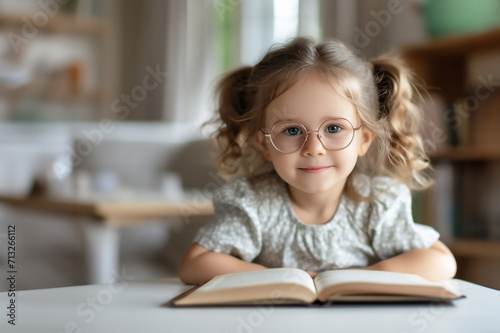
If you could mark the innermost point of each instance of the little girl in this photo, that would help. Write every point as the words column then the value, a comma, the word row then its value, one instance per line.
column 342, row 138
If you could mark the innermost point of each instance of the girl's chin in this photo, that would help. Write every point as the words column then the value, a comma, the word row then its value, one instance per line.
column 316, row 188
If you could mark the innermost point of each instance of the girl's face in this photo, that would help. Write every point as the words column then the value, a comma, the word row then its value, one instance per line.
column 313, row 168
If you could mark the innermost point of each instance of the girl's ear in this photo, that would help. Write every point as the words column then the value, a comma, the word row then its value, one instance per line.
column 260, row 141
column 367, row 138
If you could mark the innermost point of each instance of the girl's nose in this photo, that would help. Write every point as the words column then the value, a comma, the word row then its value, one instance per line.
column 313, row 146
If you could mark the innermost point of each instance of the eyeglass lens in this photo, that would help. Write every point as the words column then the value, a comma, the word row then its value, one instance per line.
column 289, row 137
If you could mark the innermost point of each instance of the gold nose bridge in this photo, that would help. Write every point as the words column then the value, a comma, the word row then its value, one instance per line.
column 318, row 135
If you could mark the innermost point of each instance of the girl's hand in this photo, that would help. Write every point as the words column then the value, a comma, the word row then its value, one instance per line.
column 434, row 264
column 200, row 265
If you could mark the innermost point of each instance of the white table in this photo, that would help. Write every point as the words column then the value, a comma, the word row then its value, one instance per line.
column 139, row 307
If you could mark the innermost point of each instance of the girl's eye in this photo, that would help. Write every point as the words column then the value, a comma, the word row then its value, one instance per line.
column 293, row 131
column 332, row 129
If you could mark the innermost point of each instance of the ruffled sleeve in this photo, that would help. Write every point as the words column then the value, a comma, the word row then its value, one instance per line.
column 235, row 229
column 392, row 228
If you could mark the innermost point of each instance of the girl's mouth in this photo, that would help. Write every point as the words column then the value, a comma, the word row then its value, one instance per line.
column 315, row 169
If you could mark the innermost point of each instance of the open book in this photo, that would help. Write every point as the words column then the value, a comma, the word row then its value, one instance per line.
column 295, row 286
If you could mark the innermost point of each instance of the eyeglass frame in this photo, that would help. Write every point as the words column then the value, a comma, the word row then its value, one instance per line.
column 307, row 134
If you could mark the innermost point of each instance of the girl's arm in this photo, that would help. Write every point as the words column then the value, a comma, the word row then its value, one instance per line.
column 435, row 263
column 200, row 265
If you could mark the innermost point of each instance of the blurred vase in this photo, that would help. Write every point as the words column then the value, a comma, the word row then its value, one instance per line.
column 445, row 17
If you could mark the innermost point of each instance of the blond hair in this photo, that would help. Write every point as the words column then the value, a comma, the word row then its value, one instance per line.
column 382, row 91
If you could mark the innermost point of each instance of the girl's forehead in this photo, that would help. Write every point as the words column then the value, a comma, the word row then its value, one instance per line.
column 312, row 98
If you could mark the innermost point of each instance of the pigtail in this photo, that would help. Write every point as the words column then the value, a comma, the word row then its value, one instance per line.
column 397, row 95
column 235, row 98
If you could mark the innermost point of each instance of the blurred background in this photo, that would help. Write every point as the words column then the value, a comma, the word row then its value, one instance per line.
column 102, row 101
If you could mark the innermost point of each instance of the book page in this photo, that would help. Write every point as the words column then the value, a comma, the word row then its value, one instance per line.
column 262, row 277
column 329, row 278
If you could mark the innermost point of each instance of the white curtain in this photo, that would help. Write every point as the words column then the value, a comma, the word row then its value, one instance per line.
column 190, row 60
column 192, row 27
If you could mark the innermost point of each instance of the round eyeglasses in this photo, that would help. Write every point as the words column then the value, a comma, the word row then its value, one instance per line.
column 288, row 136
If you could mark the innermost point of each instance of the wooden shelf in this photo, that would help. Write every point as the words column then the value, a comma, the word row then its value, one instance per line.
column 457, row 45
column 442, row 62
column 448, row 66
column 484, row 249
column 91, row 78
column 55, row 93
column 58, row 23
column 467, row 153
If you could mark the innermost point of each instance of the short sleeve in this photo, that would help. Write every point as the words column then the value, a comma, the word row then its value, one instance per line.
column 392, row 227
column 235, row 229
